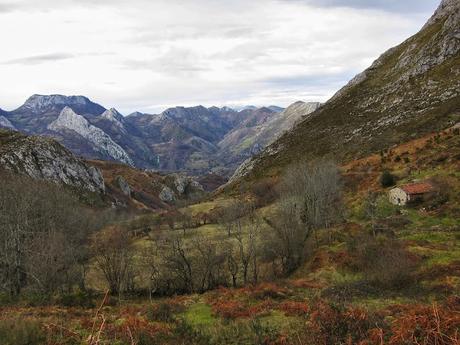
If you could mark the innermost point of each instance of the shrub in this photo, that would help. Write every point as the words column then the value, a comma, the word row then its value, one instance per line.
column 232, row 309
column 387, row 179
column 331, row 323
column 164, row 311
column 76, row 299
column 242, row 332
column 292, row 308
column 384, row 261
column 187, row 334
column 21, row 332
column 265, row 192
column 428, row 325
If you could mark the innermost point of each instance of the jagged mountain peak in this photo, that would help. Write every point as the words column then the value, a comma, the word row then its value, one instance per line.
column 446, row 8
column 113, row 115
column 41, row 103
column 102, row 142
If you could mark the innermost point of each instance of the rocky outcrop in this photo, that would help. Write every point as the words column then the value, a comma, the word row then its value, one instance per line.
column 44, row 158
column 185, row 184
column 167, row 195
column 123, row 185
column 69, row 120
column 115, row 117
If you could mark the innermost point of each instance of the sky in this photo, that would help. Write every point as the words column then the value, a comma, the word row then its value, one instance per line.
column 148, row 55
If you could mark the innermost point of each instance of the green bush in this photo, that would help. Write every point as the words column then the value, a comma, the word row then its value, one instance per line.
column 76, row 299
column 387, row 179
column 21, row 332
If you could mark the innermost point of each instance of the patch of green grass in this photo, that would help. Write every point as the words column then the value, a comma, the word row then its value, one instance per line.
column 247, row 143
column 277, row 320
column 438, row 237
column 335, row 277
column 208, row 206
column 444, row 257
column 200, row 314
column 420, row 220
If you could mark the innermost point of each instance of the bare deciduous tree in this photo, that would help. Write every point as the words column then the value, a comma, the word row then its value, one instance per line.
column 112, row 251
column 310, row 200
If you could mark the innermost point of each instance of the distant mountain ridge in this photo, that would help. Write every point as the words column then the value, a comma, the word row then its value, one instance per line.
column 411, row 90
column 178, row 139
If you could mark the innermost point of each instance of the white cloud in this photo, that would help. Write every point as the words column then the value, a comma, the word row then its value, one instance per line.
column 145, row 55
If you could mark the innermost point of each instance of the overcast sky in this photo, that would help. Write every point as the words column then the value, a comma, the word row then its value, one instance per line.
column 147, row 55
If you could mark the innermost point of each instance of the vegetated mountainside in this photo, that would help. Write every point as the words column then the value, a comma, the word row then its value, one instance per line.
column 260, row 128
column 399, row 286
column 44, row 158
column 145, row 190
column 411, row 90
column 179, row 139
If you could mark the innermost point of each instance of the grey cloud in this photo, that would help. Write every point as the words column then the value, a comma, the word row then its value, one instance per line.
column 387, row 5
column 39, row 59
column 7, row 7
column 174, row 61
column 308, row 79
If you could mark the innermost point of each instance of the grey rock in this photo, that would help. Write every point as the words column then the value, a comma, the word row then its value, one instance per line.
column 123, row 185
column 167, row 195
column 44, row 158
column 69, row 120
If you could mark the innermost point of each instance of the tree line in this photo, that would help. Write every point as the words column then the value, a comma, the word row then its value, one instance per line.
column 251, row 247
column 49, row 240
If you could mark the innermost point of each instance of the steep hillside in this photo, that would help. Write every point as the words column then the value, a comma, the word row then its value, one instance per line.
column 409, row 91
column 260, row 128
column 144, row 190
column 43, row 158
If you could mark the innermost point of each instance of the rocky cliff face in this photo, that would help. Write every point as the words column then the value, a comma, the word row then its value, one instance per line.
column 410, row 90
column 69, row 120
column 44, row 158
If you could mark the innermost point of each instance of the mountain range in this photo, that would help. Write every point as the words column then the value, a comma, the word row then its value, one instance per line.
column 196, row 140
